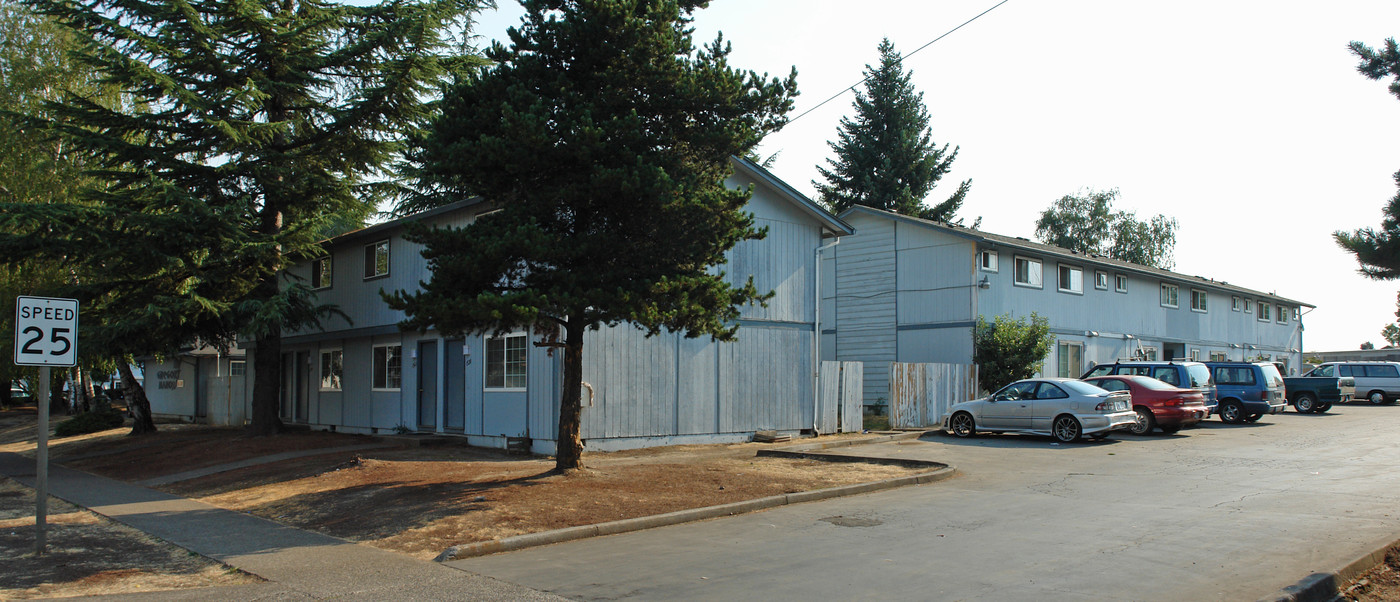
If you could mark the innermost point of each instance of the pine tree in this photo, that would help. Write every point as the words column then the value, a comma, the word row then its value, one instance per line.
column 250, row 128
column 604, row 137
column 885, row 155
column 1378, row 252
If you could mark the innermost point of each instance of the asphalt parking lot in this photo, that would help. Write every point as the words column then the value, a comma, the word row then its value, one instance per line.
column 1228, row 512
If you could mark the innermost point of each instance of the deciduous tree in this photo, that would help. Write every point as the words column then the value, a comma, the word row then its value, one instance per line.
column 1086, row 222
column 604, row 136
column 885, row 154
column 1009, row 349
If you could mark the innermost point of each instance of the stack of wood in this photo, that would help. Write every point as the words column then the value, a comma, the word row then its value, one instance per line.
column 770, row 437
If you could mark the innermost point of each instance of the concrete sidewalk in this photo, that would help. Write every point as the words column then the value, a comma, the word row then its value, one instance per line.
column 299, row 564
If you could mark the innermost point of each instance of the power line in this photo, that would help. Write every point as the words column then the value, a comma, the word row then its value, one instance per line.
column 852, row 87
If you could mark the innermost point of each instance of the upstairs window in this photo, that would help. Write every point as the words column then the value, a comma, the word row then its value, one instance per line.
column 1282, row 315
column 987, row 260
column 1121, row 283
column 1248, row 306
column 321, row 273
column 377, row 259
column 1236, row 303
column 1264, row 313
column 1198, row 300
column 1101, row 280
column 1170, row 293
column 1029, row 272
column 1071, row 279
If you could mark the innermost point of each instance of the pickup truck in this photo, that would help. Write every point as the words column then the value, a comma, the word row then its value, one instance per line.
column 1315, row 394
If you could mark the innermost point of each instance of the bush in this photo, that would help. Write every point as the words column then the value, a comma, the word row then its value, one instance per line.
column 1007, row 350
column 89, row 422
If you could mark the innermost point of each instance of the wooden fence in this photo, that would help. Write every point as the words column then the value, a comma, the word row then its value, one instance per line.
column 920, row 394
column 839, row 405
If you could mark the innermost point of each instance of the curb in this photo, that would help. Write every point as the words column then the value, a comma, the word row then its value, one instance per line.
column 1322, row 587
column 530, row 540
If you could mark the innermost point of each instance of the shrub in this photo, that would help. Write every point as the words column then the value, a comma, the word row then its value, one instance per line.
column 1007, row 350
column 89, row 422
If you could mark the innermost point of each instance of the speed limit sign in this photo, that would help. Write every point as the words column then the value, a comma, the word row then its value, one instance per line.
column 46, row 331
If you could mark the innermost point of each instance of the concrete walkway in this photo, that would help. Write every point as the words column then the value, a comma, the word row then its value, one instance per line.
column 298, row 564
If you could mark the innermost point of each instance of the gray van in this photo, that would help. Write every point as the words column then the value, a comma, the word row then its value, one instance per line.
column 1378, row 382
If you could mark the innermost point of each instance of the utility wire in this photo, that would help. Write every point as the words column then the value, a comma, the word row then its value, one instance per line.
column 900, row 61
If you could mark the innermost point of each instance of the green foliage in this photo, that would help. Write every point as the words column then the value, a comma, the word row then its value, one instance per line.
column 1010, row 349
column 1378, row 251
column 604, row 136
column 1391, row 332
column 89, row 422
column 1086, row 222
column 885, row 155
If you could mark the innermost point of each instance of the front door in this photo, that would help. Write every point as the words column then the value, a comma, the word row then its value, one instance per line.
column 454, row 385
column 427, row 385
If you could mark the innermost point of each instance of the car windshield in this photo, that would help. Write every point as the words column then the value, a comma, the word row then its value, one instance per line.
column 1200, row 375
column 1154, row 384
column 1271, row 375
column 1080, row 388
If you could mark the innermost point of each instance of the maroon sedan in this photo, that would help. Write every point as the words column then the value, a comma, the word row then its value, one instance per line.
column 1158, row 404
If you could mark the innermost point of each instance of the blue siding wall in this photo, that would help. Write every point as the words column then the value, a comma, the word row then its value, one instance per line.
column 865, row 301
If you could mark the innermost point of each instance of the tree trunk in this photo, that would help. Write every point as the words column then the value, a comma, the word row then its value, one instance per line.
column 568, row 451
column 267, row 385
column 85, row 393
column 136, row 402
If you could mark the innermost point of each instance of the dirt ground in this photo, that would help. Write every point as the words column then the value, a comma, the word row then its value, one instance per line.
column 1381, row 584
column 409, row 498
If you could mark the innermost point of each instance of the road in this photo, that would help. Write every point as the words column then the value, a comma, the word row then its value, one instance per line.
column 1216, row 512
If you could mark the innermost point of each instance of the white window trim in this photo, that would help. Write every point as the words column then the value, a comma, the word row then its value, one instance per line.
column 321, row 377
column 1264, row 312
column 1235, row 303
column 1120, row 283
column 1162, row 295
column 1097, row 275
column 1205, row 298
column 1073, row 269
column 981, row 265
column 1195, row 355
column 242, row 363
column 386, row 368
column 486, row 362
column 1040, row 264
column 388, row 250
column 1248, row 306
column 328, row 269
column 1059, row 358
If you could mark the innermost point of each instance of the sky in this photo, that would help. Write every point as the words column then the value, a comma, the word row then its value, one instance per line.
column 1244, row 120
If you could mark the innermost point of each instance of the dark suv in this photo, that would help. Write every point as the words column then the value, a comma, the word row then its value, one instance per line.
column 1248, row 390
column 1187, row 375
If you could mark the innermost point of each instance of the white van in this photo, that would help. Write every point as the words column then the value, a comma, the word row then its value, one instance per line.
column 1378, row 382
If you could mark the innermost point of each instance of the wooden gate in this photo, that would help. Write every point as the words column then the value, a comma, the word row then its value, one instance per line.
column 920, row 394
column 839, row 402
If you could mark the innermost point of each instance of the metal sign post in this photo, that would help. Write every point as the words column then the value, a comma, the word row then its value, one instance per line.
column 46, row 335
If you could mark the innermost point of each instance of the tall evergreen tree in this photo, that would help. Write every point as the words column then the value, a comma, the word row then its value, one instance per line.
column 604, row 136
column 885, row 155
column 252, row 127
column 1378, row 252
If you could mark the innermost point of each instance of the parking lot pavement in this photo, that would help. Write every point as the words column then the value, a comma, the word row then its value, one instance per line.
column 1226, row 512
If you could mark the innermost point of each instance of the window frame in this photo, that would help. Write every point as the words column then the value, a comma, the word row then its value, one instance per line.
column 1100, row 280
column 1218, row 356
column 322, row 273
column 1282, row 314
column 486, row 379
column 238, row 368
column 1175, row 294
column 1061, row 367
column 1060, row 269
column 1248, row 305
column 372, row 259
column 375, row 383
column 982, row 264
column 1016, row 272
column 339, row 383
column 1120, row 283
column 1235, row 304
column 1205, row 301
column 1265, row 313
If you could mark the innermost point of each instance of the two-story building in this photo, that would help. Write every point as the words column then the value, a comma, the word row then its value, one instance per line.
column 910, row 290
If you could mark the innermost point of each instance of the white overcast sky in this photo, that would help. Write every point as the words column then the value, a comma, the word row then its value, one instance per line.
column 1244, row 120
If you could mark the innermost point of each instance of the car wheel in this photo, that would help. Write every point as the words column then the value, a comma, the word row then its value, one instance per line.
column 1231, row 412
column 1305, row 403
column 1144, row 422
column 1323, row 407
column 1066, row 429
column 962, row 425
column 1376, row 397
column 1253, row 417
column 1171, row 430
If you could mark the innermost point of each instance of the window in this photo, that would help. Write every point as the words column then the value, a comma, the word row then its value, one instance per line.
column 1226, row 375
column 332, row 369
column 1235, row 303
column 1248, row 306
column 1122, row 283
column 238, row 368
column 1049, row 391
column 1101, row 280
column 505, row 362
column 388, row 367
column 1198, row 300
column 988, row 261
column 1195, row 355
column 1282, row 315
column 1028, row 272
column 1381, row 371
column 1149, row 353
column 1297, row 314
column 1169, row 295
column 1071, row 279
column 1167, row 374
column 1217, row 356
column 1071, row 359
column 377, row 259
column 321, row 273
column 1264, row 311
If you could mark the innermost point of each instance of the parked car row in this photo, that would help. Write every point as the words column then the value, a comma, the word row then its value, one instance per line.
column 1143, row 396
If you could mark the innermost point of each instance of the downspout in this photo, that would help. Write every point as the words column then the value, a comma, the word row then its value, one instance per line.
column 817, row 333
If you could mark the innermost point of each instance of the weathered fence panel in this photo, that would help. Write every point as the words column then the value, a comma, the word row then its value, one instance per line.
column 839, row 405
column 920, row 394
